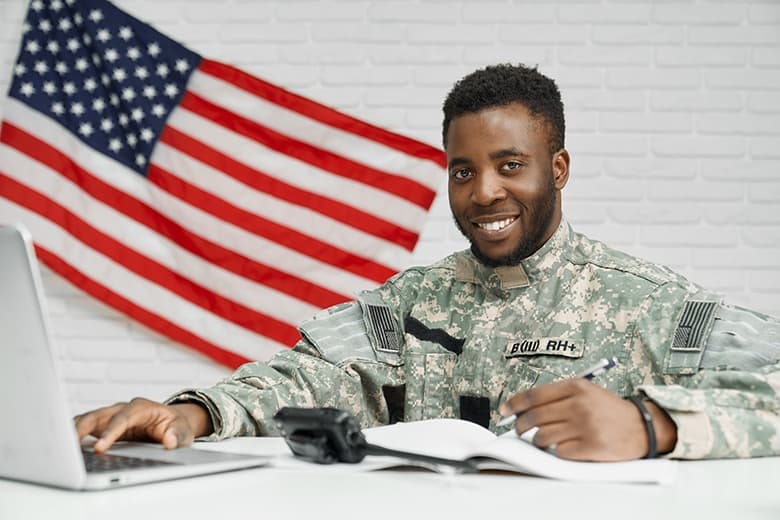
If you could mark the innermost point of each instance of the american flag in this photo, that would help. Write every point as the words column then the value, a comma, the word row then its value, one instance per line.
column 208, row 204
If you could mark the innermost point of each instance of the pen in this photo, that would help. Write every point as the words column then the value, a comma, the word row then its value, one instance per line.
column 602, row 366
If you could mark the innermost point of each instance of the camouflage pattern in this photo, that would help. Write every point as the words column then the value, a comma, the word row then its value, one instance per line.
column 570, row 304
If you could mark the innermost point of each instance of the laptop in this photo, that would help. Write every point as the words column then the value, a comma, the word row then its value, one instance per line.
column 38, row 441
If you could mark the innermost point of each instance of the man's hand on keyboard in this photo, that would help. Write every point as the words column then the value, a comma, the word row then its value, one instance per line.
column 173, row 426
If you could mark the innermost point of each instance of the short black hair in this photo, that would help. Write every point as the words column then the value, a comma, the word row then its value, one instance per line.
column 500, row 85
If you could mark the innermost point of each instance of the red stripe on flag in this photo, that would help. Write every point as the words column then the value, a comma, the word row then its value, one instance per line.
column 145, row 267
column 267, row 184
column 399, row 186
column 140, row 314
column 320, row 112
column 186, row 258
column 267, row 228
column 137, row 210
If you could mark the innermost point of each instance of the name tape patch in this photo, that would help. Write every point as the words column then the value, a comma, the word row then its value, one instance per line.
column 544, row 347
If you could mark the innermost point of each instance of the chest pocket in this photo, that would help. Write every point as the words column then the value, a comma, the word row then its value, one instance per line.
column 518, row 377
column 539, row 360
column 429, row 370
column 556, row 363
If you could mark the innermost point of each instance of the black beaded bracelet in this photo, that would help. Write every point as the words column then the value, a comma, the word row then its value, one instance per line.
column 637, row 400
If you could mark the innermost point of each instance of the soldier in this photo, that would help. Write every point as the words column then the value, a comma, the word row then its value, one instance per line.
column 502, row 328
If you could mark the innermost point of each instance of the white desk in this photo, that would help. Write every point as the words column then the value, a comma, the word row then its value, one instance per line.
column 710, row 490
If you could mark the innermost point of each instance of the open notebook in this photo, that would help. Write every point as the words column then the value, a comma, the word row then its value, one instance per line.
column 462, row 440
column 38, row 441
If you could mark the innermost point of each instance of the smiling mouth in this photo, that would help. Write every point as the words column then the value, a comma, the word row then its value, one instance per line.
column 496, row 225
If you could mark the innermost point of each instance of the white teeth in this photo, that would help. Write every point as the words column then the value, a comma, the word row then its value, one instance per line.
column 495, row 226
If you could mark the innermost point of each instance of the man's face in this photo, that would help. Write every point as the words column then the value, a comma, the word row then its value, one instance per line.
column 504, row 184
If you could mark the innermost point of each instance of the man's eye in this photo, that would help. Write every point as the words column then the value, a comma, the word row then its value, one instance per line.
column 460, row 175
column 513, row 165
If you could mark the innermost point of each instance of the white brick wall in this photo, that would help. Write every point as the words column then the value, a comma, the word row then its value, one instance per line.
column 673, row 112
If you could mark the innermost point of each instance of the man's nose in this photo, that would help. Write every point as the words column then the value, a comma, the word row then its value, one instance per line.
column 488, row 188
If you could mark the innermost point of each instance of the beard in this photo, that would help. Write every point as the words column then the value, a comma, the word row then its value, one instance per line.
column 529, row 243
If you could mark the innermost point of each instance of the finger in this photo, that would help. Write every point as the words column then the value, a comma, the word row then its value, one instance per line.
column 131, row 415
column 113, row 432
column 177, row 435
column 170, row 439
column 554, row 434
column 85, row 424
column 540, row 395
column 185, row 435
column 577, row 449
column 547, row 413
column 94, row 422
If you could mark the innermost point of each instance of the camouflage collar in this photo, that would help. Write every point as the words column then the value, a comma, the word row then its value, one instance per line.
column 547, row 259
column 552, row 254
column 469, row 269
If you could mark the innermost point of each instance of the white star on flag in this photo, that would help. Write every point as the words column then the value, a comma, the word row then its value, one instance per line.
column 204, row 202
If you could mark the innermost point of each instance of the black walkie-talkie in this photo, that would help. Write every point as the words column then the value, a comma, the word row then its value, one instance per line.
column 328, row 435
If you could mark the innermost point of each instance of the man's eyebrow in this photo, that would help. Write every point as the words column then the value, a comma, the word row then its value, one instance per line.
column 508, row 152
column 498, row 154
column 457, row 161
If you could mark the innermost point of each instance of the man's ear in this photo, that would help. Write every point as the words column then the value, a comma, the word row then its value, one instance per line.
column 560, row 167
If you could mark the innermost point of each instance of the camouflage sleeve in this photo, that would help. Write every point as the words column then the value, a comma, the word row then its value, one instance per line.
column 244, row 403
column 719, row 375
column 346, row 358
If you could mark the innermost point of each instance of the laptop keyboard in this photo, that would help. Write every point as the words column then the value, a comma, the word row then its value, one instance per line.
column 102, row 462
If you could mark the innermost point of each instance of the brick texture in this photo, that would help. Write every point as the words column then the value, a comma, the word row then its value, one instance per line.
column 673, row 112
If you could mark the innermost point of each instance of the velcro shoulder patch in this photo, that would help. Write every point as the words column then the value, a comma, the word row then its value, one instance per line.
column 742, row 339
column 355, row 330
column 382, row 328
column 690, row 336
column 694, row 325
column 339, row 333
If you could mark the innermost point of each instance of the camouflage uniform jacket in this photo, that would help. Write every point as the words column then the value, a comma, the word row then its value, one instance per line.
column 436, row 339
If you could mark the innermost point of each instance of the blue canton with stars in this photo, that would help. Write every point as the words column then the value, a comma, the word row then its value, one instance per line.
column 108, row 78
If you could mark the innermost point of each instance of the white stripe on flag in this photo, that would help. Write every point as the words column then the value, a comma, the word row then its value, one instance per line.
column 306, row 220
column 242, row 208
column 291, row 123
column 150, row 244
column 189, row 217
column 298, row 173
column 138, row 289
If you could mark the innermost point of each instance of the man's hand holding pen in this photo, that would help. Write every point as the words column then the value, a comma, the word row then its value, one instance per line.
column 586, row 422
